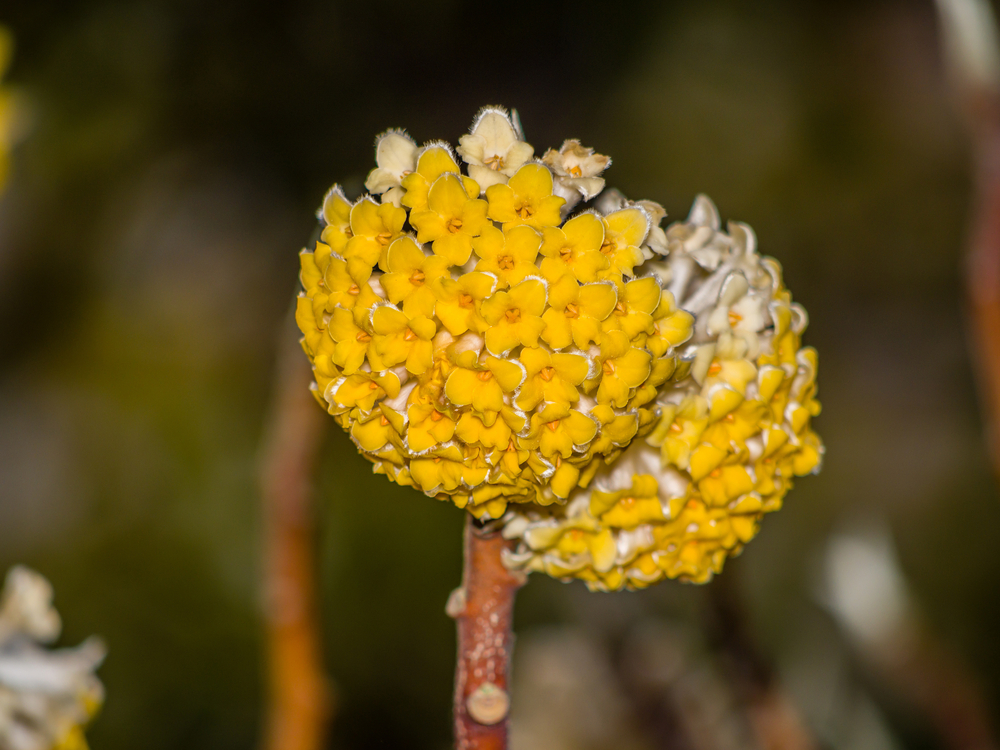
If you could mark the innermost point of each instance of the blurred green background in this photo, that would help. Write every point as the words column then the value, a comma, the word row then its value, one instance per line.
column 175, row 154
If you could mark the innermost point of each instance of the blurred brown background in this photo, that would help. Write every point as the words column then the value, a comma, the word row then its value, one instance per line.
column 176, row 153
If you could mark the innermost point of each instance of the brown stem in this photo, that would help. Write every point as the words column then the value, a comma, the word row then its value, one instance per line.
column 983, row 275
column 299, row 695
column 773, row 718
column 484, row 611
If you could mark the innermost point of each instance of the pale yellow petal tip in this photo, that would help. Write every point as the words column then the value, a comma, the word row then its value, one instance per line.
column 630, row 399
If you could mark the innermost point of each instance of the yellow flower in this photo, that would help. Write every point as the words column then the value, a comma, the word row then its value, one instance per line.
column 459, row 300
column 336, row 217
column 552, row 377
column 514, row 317
column 630, row 507
column 483, row 387
column 526, row 199
column 450, row 220
column 373, row 228
column 557, row 429
column 633, row 312
column 433, row 160
column 508, row 255
column 427, row 427
column 575, row 312
column 576, row 248
column 623, row 367
column 411, row 276
column 353, row 334
column 624, row 232
column 399, row 338
column 493, row 150
column 636, row 433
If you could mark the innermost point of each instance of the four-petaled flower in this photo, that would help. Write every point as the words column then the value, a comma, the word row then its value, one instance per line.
column 575, row 247
column 450, row 220
column 515, row 316
column 411, row 276
column 396, row 156
column 526, row 199
column 576, row 168
column 509, row 256
column 493, row 150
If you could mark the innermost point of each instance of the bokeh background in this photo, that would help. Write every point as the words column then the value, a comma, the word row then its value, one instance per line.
column 173, row 158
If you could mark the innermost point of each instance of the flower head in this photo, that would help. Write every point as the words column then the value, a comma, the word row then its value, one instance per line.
column 629, row 399
column 732, row 431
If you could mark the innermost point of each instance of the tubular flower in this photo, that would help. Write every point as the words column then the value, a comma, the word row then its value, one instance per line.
column 732, row 428
column 47, row 697
column 485, row 350
column 628, row 399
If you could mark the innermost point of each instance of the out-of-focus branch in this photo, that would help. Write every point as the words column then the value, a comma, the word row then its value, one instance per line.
column 969, row 40
column 299, row 694
column 773, row 718
column 868, row 596
column 483, row 608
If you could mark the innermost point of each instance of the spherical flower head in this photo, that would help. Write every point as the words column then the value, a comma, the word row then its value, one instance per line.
column 477, row 341
column 732, row 424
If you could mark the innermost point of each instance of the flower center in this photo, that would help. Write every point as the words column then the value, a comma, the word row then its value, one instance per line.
column 572, row 310
column 627, row 502
column 495, row 162
column 547, row 373
column 608, row 247
column 506, row 263
column 417, row 278
column 513, row 315
column 484, row 375
column 409, row 335
column 734, row 318
column 575, row 170
column 363, row 337
column 454, row 225
column 715, row 368
column 383, row 237
column 566, row 253
column 436, row 416
column 383, row 421
column 525, row 211
column 620, row 309
column 554, row 425
column 354, row 289
column 609, row 367
column 465, row 300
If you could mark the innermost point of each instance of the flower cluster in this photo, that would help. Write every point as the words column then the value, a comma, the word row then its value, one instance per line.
column 476, row 341
column 732, row 430
column 522, row 342
column 46, row 697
